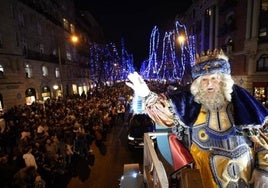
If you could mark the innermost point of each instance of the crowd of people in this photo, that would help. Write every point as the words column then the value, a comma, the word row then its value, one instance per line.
column 43, row 141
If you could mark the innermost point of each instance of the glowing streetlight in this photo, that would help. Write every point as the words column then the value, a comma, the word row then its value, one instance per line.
column 74, row 39
column 181, row 39
column 55, row 87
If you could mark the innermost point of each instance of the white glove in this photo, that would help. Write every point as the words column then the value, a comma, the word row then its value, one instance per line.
column 138, row 84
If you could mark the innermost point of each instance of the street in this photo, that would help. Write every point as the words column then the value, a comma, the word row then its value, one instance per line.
column 108, row 167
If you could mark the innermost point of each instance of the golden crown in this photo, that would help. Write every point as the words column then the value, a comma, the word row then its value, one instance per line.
column 210, row 55
column 210, row 62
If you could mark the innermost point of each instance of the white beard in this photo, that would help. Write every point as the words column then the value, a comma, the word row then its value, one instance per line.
column 215, row 101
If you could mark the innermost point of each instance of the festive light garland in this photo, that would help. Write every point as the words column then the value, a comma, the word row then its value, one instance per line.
column 171, row 65
column 170, row 62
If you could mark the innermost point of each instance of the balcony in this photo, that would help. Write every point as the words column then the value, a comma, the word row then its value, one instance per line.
column 34, row 55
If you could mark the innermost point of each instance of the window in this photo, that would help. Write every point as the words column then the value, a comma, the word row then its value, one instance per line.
column 194, row 14
column 230, row 21
column 28, row 71
column 57, row 72
column 25, row 47
column 39, row 29
column 1, row 104
column 1, row 71
column 1, row 41
column 30, row 94
column 12, row 11
column 21, row 19
column 262, row 64
column 69, row 56
column 54, row 52
column 229, row 45
column 75, row 89
column 45, row 93
column 17, row 39
column 66, row 24
column 263, row 25
column 44, row 71
column 42, row 49
column 72, row 28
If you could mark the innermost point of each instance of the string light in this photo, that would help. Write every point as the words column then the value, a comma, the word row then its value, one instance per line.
column 171, row 63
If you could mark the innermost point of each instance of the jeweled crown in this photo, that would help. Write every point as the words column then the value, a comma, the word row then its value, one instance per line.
column 210, row 55
column 210, row 62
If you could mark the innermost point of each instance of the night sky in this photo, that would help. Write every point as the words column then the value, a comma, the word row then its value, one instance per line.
column 134, row 20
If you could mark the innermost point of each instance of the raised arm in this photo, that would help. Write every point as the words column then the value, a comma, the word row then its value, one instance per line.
column 156, row 106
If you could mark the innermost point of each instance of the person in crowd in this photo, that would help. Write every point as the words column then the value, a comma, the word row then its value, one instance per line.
column 113, row 115
column 120, row 112
column 28, row 177
column 7, row 171
column 80, row 140
column 51, row 149
column 69, row 153
column 29, row 158
column 39, row 182
column 106, row 122
column 225, row 125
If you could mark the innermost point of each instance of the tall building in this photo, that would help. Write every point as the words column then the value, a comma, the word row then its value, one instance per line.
column 38, row 60
column 240, row 28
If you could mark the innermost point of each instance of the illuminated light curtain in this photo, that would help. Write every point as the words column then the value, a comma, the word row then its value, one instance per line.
column 173, row 61
column 169, row 68
column 150, row 71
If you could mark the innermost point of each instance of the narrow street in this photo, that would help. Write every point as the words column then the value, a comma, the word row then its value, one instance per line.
column 108, row 166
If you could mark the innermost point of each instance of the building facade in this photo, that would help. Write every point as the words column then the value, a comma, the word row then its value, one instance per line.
column 37, row 58
column 240, row 28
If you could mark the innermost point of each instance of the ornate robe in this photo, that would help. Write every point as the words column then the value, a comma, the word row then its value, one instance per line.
column 218, row 143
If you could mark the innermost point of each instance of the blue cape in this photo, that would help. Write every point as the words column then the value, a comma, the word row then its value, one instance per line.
column 248, row 111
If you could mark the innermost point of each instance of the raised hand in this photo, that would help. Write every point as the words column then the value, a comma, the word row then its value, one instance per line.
column 138, row 84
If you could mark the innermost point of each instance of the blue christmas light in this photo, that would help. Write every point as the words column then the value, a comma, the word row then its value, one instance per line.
column 171, row 62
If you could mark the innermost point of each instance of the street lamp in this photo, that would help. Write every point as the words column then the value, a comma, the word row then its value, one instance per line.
column 74, row 39
column 181, row 40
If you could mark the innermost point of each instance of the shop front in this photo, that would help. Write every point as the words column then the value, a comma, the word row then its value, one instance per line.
column 30, row 96
column 46, row 94
column 261, row 92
